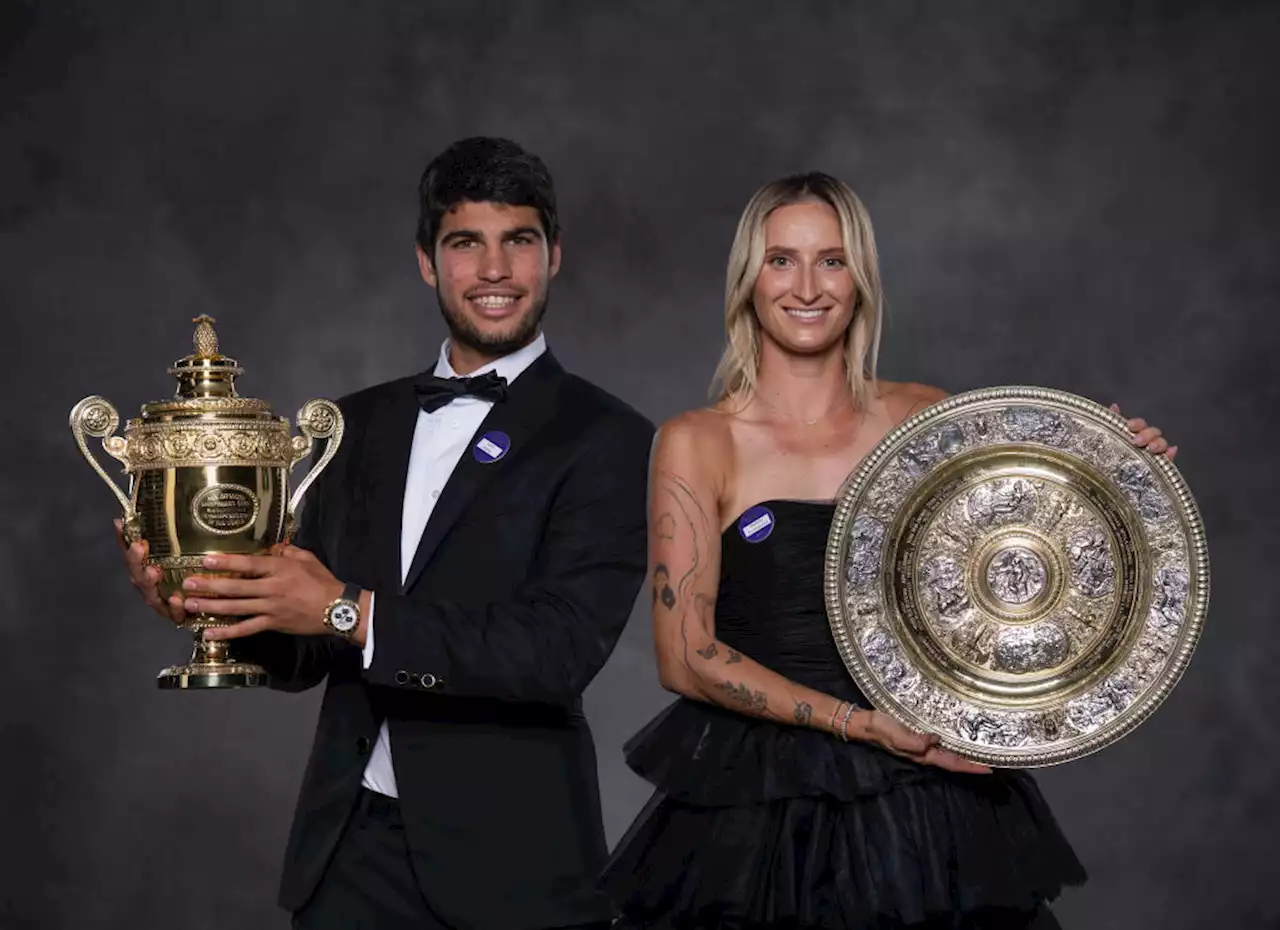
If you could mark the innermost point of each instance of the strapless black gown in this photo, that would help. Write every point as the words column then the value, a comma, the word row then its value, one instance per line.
column 755, row 823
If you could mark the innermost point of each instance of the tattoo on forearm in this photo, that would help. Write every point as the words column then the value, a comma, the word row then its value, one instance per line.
column 734, row 657
column 741, row 694
column 662, row 587
column 804, row 713
column 709, row 652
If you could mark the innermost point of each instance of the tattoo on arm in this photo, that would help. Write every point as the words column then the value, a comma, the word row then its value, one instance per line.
column 662, row 587
column 741, row 694
column 688, row 514
column 705, row 607
column 666, row 526
column 734, row 657
column 804, row 713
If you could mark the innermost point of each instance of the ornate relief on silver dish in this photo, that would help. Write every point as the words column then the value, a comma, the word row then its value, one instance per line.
column 1006, row 570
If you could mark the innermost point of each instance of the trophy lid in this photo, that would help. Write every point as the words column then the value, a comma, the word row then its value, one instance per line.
column 206, row 383
column 205, row 372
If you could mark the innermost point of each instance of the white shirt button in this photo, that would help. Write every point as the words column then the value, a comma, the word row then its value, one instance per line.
column 435, row 493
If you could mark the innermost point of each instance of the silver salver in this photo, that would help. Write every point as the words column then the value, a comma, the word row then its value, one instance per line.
column 1008, row 571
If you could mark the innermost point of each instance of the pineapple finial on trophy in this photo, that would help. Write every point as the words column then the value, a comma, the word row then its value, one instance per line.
column 206, row 339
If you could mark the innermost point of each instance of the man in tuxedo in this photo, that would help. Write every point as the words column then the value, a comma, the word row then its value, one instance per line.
column 461, row 572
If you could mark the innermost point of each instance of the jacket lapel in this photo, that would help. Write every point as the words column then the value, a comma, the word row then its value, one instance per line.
column 386, row 451
column 530, row 403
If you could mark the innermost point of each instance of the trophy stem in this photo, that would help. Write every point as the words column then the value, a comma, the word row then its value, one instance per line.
column 212, row 666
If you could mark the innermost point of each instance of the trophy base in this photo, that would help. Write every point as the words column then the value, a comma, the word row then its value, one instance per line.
column 211, row 667
column 198, row 676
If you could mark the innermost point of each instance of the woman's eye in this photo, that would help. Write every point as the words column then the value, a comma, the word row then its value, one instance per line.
column 833, row 262
column 778, row 261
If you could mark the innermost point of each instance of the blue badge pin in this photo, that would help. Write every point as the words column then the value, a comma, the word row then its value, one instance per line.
column 756, row 524
column 491, row 447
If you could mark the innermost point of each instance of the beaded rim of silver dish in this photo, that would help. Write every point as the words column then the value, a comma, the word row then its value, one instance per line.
column 1008, row 571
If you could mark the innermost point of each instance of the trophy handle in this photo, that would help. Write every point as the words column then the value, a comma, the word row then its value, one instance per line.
column 318, row 419
column 95, row 416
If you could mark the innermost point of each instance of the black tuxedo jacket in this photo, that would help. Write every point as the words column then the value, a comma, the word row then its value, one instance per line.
column 526, row 573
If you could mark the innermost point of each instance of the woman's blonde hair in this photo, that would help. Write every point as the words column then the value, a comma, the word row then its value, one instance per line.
column 736, row 374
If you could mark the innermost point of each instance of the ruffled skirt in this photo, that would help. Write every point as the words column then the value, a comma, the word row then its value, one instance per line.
column 755, row 824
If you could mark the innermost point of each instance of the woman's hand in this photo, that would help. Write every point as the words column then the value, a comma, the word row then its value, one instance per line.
column 1148, row 437
column 872, row 726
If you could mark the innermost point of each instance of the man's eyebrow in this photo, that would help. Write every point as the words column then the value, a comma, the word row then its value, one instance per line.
column 533, row 231
column 461, row 234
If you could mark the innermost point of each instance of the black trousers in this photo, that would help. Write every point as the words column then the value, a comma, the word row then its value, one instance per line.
column 369, row 883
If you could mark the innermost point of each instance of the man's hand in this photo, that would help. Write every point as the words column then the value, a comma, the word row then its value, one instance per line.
column 288, row 592
column 146, row 578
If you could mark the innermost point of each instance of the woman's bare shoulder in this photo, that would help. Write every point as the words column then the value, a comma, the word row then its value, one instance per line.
column 902, row 399
column 705, row 430
column 699, row 440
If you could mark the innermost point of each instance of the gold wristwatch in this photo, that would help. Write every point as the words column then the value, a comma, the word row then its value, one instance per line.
column 342, row 616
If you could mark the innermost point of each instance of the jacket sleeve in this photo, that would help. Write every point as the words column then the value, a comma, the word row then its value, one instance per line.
column 547, row 644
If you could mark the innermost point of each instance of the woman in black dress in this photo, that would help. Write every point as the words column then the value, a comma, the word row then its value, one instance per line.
column 782, row 799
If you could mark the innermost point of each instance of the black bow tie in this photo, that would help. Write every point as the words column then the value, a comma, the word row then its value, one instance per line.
column 434, row 393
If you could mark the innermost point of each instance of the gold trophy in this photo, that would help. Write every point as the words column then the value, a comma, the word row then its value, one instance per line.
column 209, row 474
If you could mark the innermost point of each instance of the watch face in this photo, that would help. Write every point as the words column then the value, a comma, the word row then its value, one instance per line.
column 344, row 617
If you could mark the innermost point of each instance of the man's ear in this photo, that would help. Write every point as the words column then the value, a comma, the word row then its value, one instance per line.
column 426, row 267
column 553, row 259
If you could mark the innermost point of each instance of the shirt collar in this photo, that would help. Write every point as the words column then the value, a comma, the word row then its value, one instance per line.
column 509, row 366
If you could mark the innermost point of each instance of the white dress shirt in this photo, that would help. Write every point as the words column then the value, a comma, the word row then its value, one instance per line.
column 439, row 440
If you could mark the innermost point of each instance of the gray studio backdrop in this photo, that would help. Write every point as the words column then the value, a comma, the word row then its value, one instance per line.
column 1075, row 195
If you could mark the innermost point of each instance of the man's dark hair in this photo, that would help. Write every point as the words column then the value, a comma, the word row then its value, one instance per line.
column 484, row 170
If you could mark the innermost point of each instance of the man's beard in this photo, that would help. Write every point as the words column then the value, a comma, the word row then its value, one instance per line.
column 464, row 332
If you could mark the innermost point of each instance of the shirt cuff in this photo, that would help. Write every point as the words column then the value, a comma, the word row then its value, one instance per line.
column 368, row 633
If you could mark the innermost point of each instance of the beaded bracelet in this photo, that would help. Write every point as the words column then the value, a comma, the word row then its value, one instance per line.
column 831, row 725
column 844, row 722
